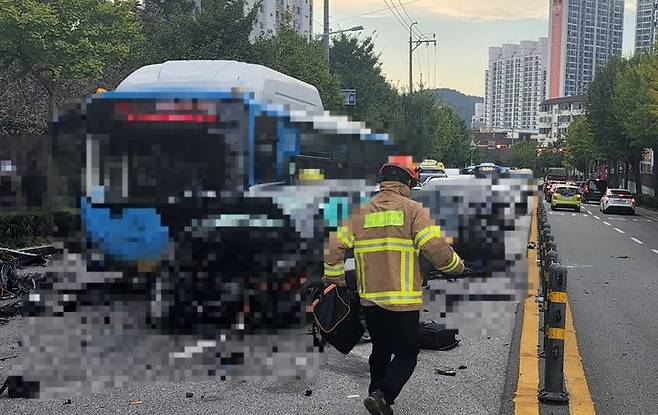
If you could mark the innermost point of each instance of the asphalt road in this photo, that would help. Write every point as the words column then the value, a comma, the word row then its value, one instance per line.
column 612, row 265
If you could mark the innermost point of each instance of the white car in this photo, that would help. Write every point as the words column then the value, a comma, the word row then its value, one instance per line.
column 620, row 200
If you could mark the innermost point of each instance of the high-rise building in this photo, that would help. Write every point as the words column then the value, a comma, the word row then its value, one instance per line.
column 271, row 12
column 646, row 24
column 477, row 121
column 515, row 86
column 583, row 36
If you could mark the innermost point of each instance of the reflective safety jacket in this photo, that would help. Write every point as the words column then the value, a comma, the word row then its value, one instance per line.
column 387, row 234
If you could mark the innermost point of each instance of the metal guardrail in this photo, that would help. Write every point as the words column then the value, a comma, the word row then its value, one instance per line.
column 553, row 303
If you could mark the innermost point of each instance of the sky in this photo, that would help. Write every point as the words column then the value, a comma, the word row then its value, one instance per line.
column 465, row 29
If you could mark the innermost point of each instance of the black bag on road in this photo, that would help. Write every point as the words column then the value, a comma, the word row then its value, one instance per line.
column 431, row 336
column 336, row 316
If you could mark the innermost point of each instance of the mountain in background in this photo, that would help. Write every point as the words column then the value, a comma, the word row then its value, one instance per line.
column 464, row 105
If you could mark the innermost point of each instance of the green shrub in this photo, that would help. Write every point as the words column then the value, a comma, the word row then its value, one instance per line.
column 29, row 228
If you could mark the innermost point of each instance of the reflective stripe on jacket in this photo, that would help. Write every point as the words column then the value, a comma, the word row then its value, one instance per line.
column 387, row 234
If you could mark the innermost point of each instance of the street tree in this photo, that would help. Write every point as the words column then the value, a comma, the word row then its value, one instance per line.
column 607, row 131
column 56, row 41
column 523, row 154
column 579, row 145
column 632, row 102
column 358, row 67
column 183, row 30
column 294, row 55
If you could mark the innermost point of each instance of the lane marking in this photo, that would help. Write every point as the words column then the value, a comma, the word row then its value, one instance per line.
column 596, row 217
column 619, row 230
column 635, row 220
column 573, row 214
column 607, row 223
column 580, row 399
column 525, row 397
column 637, row 241
column 655, row 251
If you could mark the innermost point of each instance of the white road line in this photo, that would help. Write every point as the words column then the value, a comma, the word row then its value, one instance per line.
column 607, row 223
column 596, row 217
column 619, row 230
column 655, row 251
column 634, row 220
column 637, row 241
column 573, row 214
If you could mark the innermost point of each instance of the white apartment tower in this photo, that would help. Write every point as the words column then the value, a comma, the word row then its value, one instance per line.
column 270, row 14
column 646, row 24
column 515, row 86
column 583, row 36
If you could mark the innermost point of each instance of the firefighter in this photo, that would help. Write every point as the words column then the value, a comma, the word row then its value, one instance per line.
column 386, row 235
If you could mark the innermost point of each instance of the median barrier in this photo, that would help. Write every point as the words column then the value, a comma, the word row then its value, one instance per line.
column 553, row 305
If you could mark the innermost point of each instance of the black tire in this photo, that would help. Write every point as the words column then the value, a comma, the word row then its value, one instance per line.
column 577, row 209
column 552, row 208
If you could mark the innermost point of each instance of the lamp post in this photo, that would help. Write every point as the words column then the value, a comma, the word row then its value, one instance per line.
column 325, row 37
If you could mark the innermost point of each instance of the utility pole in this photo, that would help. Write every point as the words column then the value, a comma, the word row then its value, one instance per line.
column 413, row 45
column 325, row 38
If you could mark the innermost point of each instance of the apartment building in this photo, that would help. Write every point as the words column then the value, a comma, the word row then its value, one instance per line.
column 583, row 36
column 556, row 115
column 271, row 12
column 515, row 86
column 646, row 23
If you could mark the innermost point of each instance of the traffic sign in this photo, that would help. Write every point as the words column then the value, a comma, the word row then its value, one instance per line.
column 350, row 96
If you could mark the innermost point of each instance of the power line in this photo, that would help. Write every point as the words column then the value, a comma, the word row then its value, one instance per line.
column 408, row 24
column 371, row 12
column 405, row 11
column 404, row 25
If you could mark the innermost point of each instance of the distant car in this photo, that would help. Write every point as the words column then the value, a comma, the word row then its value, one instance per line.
column 426, row 176
column 565, row 196
column 619, row 200
column 468, row 170
column 549, row 187
column 594, row 190
column 486, row 170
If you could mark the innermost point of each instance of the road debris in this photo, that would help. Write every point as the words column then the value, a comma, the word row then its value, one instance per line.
column 353, row 396
column 67, row 402
column 445, row 371
column 189, row 394
column 462, row 367
column 2, row 359
column 135, row 402
column 308, row 392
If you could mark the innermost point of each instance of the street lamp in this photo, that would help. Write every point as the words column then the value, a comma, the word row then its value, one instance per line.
column 325, row 36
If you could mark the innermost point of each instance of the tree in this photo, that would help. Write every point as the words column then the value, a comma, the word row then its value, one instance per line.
column 56, row 41
column 179, row 30
column 523, row 155
column 290, row 53
column 422, row 122
column 452, row 138
column 358, row 67
column 607, row 132
column 580, row 146
column 632, row 103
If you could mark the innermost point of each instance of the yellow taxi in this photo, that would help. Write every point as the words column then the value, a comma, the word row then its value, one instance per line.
column 566, row 196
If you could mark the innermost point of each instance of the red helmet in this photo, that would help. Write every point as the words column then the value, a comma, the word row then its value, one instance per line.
column 403, row 164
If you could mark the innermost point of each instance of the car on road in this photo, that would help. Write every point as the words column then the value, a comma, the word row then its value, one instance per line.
column 565, row 196
column 426, row 176
column 549, row 188
column 487, row 170
column 594, row 190
column 619, row 200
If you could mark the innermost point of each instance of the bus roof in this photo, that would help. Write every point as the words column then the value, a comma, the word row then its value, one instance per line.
column 224, row 76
